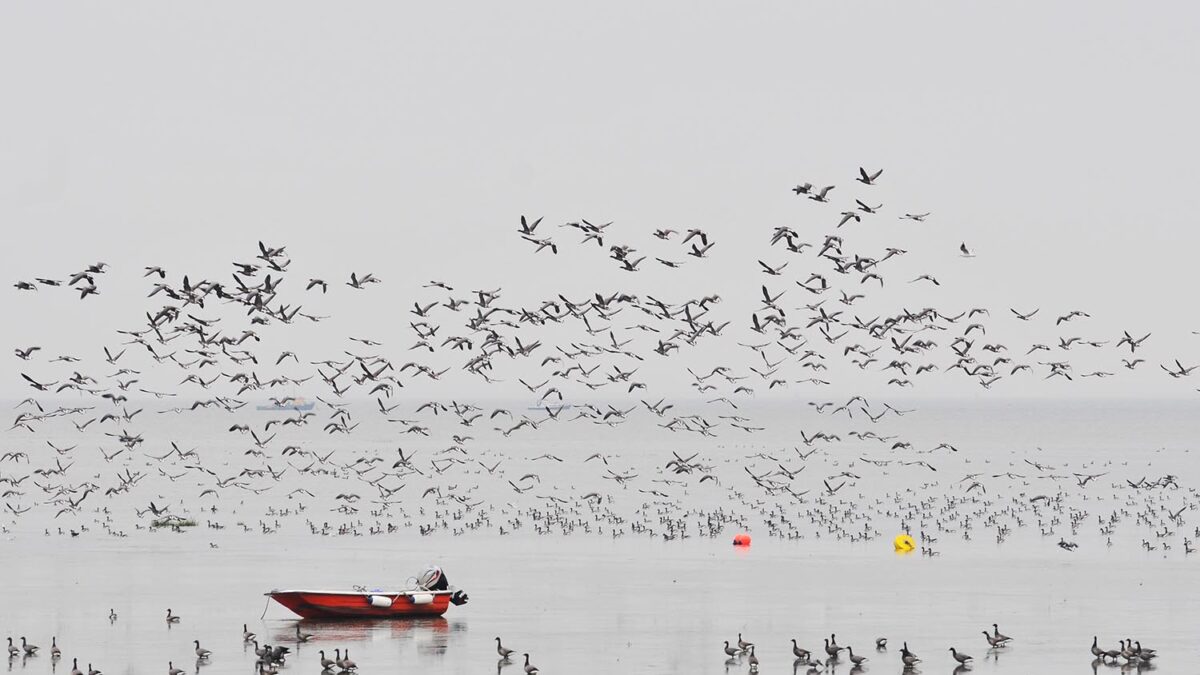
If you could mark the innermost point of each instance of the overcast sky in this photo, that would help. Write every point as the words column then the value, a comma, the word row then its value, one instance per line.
column 1057, row 139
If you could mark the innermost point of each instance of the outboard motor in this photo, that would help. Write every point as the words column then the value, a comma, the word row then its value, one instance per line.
column 433, row 579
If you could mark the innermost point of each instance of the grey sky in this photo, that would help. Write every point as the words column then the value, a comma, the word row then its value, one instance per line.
column 1056, row 139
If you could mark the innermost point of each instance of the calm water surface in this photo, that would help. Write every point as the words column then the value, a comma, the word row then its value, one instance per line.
column 594, row 604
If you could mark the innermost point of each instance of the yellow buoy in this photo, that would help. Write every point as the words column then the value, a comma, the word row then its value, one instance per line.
column 904, row 544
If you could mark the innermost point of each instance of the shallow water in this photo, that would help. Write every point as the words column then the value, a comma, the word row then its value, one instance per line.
column 587, row 605
column 591, row 603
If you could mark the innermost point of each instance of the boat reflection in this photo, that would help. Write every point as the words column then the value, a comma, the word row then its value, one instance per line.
column 432, row 635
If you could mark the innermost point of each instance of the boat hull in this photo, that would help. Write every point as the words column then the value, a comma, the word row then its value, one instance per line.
column 326, row 605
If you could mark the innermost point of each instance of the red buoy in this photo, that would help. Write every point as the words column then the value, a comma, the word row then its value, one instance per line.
column 741, row 539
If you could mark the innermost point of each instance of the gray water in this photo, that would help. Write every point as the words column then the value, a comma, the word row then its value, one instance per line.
column 592, row 602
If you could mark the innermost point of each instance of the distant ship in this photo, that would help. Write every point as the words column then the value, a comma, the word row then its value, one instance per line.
column 552, row 406
column 289, row 404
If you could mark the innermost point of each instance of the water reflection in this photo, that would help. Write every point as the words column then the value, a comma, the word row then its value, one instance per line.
column 430, row 635
column 855, row 594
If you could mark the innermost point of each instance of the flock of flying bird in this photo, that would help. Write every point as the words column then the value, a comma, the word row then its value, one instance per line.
column 97, row 444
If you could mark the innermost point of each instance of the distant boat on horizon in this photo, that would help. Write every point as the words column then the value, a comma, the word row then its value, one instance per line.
column 298, row 403
column 563, row 406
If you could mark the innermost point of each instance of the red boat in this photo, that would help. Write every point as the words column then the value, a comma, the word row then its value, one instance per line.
column 358, row 604
column 428, row 595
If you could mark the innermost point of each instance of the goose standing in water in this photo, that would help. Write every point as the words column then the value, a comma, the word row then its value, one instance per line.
column 346, row 664
column 13, row 650
column 753, row 660
column 326, row 663
column 530, row 669
column 1096, row 651
column 856, row 660
column 999, row 636
column 302, row 637
column 961, row 658
column 742, row 644
column 832, row 649
column 93, row 671
column 992, row 640
column 171, row 618
column 729, row 651
column 1136, row 649
column 29, row 649
column 503, row 651
column 172, row 670
column 201, row 654
column 112, row 615
column 55, row 652
column 247, row 636
column 797, row 650
column 880, row 643
column 75, row 667
column 1113, row 654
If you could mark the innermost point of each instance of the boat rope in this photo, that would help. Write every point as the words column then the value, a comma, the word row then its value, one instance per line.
column 268, row 606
